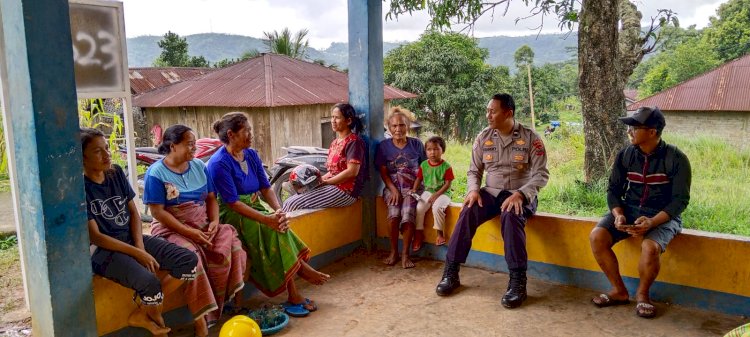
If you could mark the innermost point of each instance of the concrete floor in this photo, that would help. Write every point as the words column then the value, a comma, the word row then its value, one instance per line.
column 366, row 298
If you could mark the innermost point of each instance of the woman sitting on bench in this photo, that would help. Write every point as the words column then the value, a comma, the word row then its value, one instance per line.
column 120, row 252
column 180, row 195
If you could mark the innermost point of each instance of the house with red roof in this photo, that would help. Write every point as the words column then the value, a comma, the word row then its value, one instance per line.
column 714, row 104
column 287, row 100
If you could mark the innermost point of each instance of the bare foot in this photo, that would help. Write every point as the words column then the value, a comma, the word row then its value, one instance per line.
column 311, row 275
column 391, row 259
column 201, row 327
column 140, row 319
column 406, row 262
column 154, row 313
column 418, row 240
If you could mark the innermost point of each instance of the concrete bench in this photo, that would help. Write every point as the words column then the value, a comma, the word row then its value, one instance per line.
column 699, row 269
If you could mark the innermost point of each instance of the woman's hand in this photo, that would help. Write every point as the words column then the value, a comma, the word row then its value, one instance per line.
column 198, row 236
column 394, row 198
column 146, row 260
column 213, row 228
column 277, row 221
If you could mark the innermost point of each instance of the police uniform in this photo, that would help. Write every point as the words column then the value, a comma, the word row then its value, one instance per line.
column 516, row 162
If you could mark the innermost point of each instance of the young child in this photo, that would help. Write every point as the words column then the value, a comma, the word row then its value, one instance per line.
column 437, row 176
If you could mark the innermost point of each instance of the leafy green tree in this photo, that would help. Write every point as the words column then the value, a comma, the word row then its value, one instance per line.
column 672, row 67
column 671, row 38
column 174, row 53
column 286, row 43
column 448, row 72
column 245, row 56
column 729, row 33
column 611, row 43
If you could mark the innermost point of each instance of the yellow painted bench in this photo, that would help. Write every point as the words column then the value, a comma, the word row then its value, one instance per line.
column 330, row 233
column 700, row 269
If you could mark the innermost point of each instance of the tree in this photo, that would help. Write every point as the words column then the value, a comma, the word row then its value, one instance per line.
column 610, row 45
column 245, row 56
column 672, row 67
column 448, row 72
column 174, row 53
column 284, row 43
column 729, row 34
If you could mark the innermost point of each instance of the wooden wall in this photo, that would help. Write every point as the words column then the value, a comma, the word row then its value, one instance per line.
column 273, row 128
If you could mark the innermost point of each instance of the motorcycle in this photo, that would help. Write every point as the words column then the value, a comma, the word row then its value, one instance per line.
column 205, row 148
column 296, row 155
column 146, row 156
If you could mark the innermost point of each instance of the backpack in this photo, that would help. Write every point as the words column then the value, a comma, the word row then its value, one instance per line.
column 669, row 158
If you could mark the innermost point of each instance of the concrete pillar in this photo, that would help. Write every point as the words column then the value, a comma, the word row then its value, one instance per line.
column 39, row 92
column 366, row 93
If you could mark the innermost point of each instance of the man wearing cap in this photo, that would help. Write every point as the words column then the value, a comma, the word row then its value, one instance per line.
column 649, row 187
column 516, row 164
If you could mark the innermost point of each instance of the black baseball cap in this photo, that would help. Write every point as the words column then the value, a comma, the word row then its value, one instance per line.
column 646, row 116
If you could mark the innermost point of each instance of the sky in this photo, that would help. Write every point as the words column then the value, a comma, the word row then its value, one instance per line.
column 326, row 20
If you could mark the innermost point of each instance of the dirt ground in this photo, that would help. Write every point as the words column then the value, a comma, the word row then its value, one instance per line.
column 366, row 298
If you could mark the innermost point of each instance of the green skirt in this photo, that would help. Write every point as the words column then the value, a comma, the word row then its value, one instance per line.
column 273, row 258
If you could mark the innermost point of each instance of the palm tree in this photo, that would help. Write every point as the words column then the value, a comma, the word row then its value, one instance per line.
column 285, row 43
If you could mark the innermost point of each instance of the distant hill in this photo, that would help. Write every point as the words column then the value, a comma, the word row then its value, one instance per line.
column 143, row 50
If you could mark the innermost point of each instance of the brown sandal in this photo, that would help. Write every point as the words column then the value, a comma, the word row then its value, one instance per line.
column 603, row 301
column 645, row 310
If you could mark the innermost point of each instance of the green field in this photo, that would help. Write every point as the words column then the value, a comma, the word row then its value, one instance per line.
column 719, row 192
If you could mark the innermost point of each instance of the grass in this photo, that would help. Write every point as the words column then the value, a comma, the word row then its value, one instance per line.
column 719, row 190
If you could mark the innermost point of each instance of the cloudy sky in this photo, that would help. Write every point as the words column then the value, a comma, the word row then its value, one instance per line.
column 326, row 19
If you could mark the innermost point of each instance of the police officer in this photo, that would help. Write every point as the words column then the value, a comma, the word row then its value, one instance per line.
column 516, row 164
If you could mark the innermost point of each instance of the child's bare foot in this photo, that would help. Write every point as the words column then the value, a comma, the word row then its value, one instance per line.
column 416, row 245
column 311, row 275
column 440, row 240
column 406, row 262
column 391, row 259
column 140, row 319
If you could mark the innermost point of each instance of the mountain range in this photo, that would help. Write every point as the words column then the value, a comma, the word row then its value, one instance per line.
column 548, row 48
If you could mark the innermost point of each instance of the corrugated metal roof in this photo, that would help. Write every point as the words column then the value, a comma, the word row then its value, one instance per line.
column 726, row 88
column 268, row 80
column 147, row 79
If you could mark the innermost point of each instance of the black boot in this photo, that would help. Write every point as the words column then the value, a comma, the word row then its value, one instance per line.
column 516, row 293
column 450, row 280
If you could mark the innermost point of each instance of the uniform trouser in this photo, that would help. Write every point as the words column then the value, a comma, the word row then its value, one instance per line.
column 512, row 227
column 125, row 270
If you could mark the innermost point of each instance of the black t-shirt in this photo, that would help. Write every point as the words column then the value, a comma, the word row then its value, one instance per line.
column 107, row 204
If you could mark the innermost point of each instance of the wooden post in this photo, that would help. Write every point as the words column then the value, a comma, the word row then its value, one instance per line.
column 366, row 94
column 531, row 98
column 36, row 58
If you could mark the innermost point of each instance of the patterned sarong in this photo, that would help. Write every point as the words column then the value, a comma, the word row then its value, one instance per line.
column 274, row 257
column 221, row 267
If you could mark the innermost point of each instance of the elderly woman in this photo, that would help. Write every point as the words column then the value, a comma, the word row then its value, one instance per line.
column 398, row 160
column 119, row 250
column 180, row 195
column 276, row 254
column 343, row 182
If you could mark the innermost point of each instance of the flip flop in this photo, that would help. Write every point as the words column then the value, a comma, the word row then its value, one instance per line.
column 295, row 310
column 645, row 310
column 308, row 305
column 605, row 301
column 439, row 242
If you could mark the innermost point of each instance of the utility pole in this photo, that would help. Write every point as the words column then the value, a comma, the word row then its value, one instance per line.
column 531, row 97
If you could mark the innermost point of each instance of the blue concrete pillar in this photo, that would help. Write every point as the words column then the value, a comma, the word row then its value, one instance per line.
column 366, row 93
column 40, row 96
